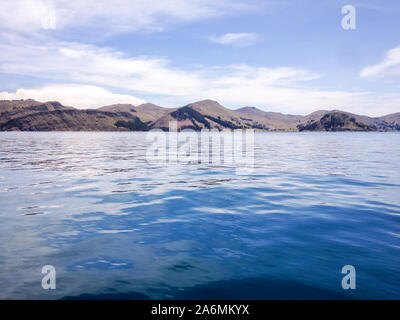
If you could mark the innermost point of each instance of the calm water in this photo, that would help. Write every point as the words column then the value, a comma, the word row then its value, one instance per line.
column 115, row 226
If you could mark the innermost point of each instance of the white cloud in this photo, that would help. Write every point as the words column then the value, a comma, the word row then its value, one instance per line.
column 391, row 64
column 236, row 39
column 102, row 66
column 94, row 65
column 80, row 96
column 31, row 16
column 284, row 89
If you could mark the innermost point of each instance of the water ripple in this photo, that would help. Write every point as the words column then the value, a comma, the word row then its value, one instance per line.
column 116, row 226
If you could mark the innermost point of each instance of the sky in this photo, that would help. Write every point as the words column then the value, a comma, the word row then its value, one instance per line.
column 289, row 56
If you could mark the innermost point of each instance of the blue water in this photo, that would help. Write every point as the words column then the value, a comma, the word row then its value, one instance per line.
column 115, row 226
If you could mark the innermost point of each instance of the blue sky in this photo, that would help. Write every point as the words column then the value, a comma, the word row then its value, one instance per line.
column 291, row 56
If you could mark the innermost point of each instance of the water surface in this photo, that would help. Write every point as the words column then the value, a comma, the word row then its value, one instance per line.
column 115, row 226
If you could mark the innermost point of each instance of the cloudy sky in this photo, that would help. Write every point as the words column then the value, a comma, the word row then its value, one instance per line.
column 291, row 56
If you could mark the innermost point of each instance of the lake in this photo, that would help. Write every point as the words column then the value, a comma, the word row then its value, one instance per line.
column 115, row 226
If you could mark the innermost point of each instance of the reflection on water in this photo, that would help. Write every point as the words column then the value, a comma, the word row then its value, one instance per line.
column 115, row 226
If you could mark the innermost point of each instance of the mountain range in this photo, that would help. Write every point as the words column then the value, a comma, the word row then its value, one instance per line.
column 31, row 115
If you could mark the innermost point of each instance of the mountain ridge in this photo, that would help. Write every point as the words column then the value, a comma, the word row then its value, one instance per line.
column 32, row 115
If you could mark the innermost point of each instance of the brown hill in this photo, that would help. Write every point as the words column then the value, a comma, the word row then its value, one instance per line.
column 268, row 120
column 392, row 118
column 147, row 112
column 11, row 109
column 334, row 121
column 31, row 115
column 119, row 108
column 206, row 114
column 385, row 123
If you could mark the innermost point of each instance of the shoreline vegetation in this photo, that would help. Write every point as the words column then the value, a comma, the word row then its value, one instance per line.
column 31, row 115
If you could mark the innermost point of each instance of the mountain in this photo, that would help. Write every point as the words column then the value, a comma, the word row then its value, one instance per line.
column 334, row 121
column 209, row 114
column 257, row 118
column 390, row 121
column 147, row 112
column 31, row 115
column 337, row 120
column 11, row 109
column 206, row 114
column 316, row 115
column 30, row 104
column 118, row 108
column 393, row 118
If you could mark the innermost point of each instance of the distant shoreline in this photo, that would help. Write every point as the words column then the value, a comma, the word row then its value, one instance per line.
column 52, row 116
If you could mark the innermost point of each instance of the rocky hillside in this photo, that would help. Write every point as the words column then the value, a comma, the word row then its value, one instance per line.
column 271, row 121
column 31, row 115
column 207, row 114
column 334, row 121
column 147, row 112
column 337, row 120
column 12, row 109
